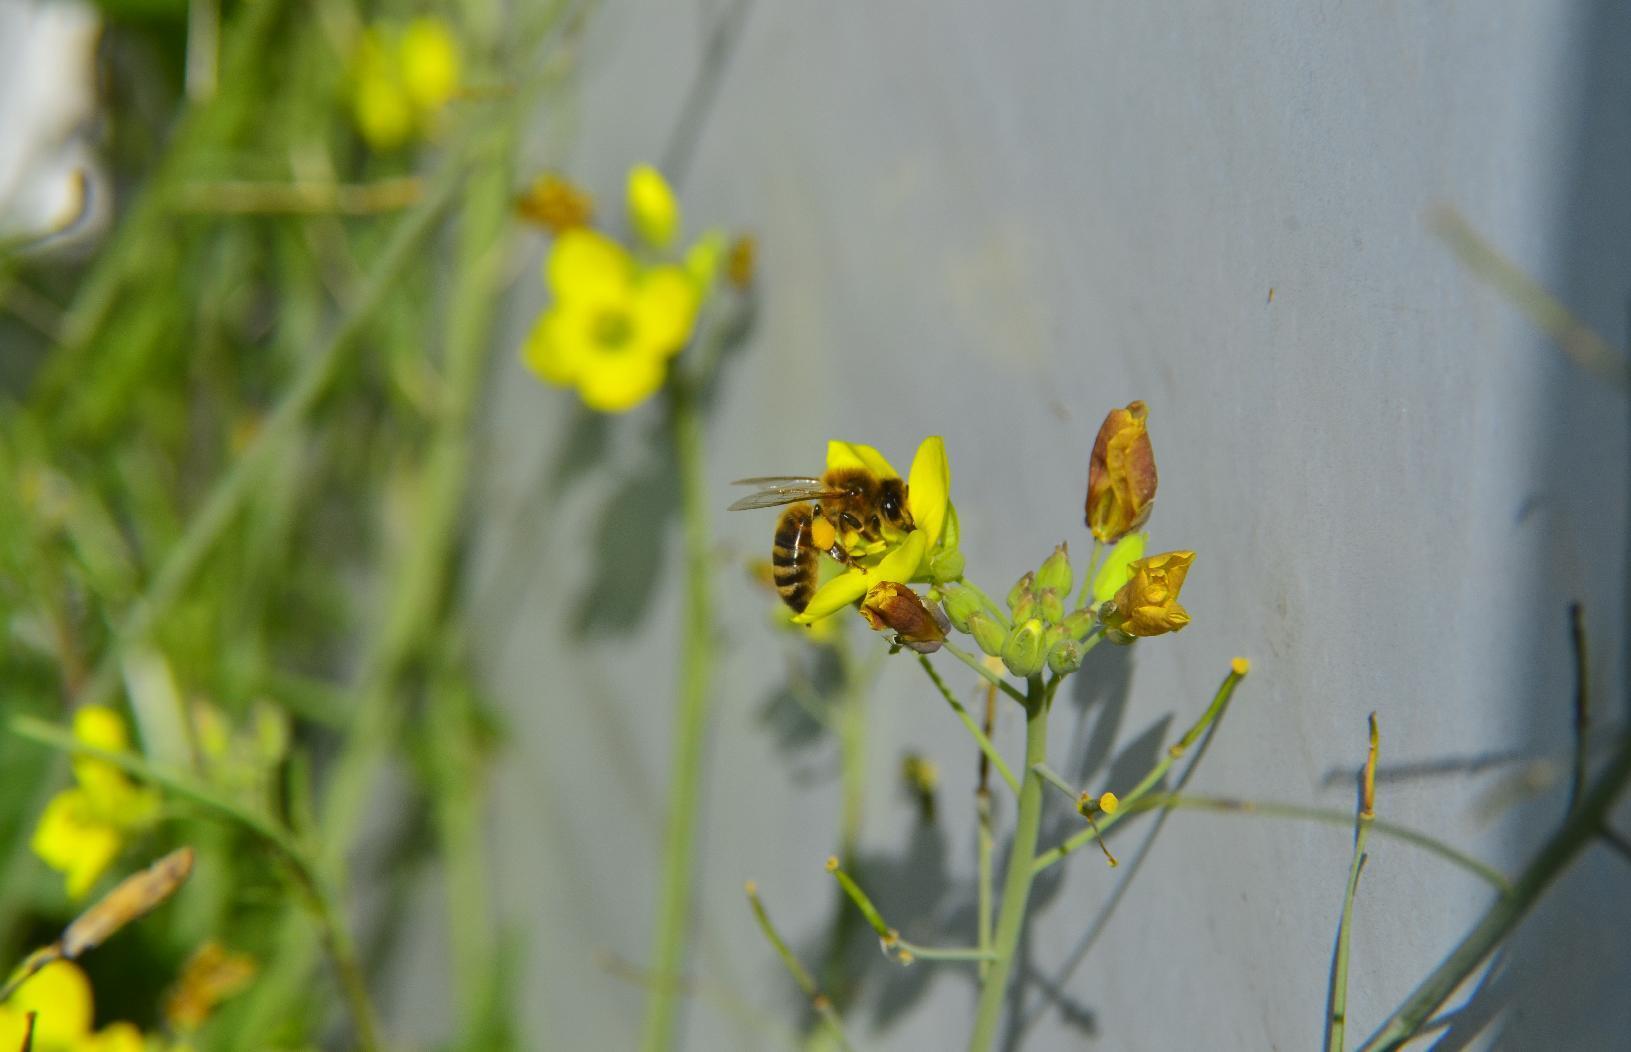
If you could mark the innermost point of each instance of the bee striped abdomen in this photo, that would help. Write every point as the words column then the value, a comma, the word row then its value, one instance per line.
column 793, row 557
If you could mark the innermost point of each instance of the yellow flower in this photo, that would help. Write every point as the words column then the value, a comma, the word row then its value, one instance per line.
column 653, row 212
column 212, row 975
column 61, row 996
column 1121, row 475
column 83, row 828
column 895, row 557
column 613, row 325
column 401, row 80
column 1147, row 605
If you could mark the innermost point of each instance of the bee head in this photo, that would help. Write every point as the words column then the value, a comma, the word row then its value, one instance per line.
column 892, row 504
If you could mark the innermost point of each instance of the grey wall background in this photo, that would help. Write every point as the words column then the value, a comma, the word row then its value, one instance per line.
column 994, row 222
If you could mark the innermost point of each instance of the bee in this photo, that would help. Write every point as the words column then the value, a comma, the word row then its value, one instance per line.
column 825, row 510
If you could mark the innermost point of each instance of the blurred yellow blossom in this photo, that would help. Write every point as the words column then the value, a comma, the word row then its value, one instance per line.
column 653, row 212
column 895, row 556
column 83, row 827
column 402, row 79
column 212, row 975
column 1147, row 605
column 61, row 996
column 613, row 324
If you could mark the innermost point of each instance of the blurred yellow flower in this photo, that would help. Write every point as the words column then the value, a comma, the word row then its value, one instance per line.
column 613, row 324
column 61, row 996
column 653, row 212
column 83, row 827
column 896, row 557
column 1121, row 475
column 402, row 79
column 1147, row 605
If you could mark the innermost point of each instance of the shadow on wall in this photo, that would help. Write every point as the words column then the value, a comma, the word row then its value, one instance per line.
column 1561, row 982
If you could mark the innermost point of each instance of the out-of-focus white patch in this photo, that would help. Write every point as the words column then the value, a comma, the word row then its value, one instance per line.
column 53, row 191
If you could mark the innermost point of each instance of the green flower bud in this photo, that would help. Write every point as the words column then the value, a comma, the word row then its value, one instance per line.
column 1065, row 656
column 1022, row 653
column 1025, row 609
column 1055, row 572
column 1022, row 588
column 987, row 633
column 959, row 602
column 946, row 565
column 1078, row 623
column 1050, row 606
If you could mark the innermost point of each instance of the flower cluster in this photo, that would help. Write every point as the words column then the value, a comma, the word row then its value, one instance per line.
column 84, row 827
column 402, row 78
column 618, row 314
column 926, row 552
column 1129, row 597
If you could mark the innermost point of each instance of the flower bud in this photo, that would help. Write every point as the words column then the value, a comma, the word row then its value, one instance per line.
column 1022, row 652
column 959, row 602
column 1147, row 605
column 891, row 606
column 988, row 634
column 1121, row 475
column 1025, row 608
column 1022, row 588
column 653, row 212
column 555, row 204
column 1050, row 606
column 1065, row 656
column 1055, row 572
column 1077, row 624
column 946, row 564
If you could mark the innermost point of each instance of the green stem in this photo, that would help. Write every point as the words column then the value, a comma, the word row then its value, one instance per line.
column 1504, row 915
column 982, row 811
column 691, row 725
column 820, row 1002
column 851, row 756
column 1330, row 816
column 980, row 737
column 1087, row 578
column 1336, row 1033
column 1016, row 889
column 986, row 674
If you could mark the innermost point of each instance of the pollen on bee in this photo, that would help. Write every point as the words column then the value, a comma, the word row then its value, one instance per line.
column 822, row 534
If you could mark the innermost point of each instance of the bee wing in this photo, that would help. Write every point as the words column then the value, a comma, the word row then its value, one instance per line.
column 780, row 489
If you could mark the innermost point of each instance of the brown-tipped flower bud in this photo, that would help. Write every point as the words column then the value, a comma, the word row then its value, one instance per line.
column 959, row 601
column 1055, row 572
column 1121, row 475
column 740, row 259
column 988, row 634
column 1147, row 605
column 891, row 606
column 1021, row 589
column 1025, row 607
column 1022, row 652
column 555, row 204
column 1050, row 606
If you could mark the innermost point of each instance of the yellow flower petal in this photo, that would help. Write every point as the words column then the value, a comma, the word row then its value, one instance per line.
column 553, row 349
column 382, row 112
column 836, row 594
column 615, row 385
column 855, row 455
column 904, row 562
column 430, row 63
column 929, row 487
column 587, row 264
column 61, row 995
column 653, row 212
column 71, row 840
column 664, row 309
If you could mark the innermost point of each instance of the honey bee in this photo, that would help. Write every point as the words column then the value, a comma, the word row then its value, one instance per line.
column 824, row 511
